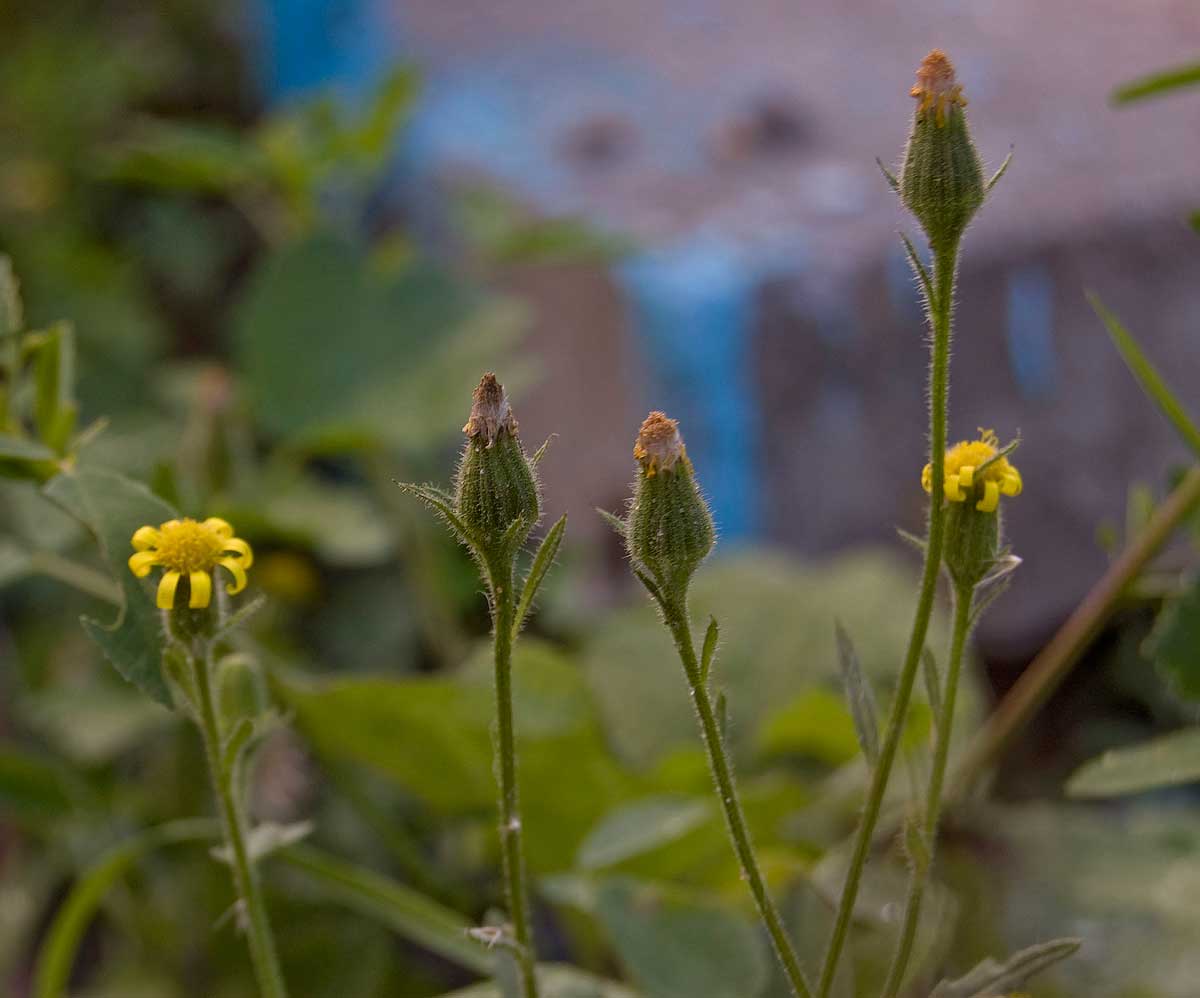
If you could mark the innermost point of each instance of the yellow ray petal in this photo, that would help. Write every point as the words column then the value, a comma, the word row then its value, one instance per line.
column 1011, row 485
column 966, row 476
column 219, row 527
column 201, row 584
column 166, row 590
column 953, row 492
column 145, row 537
column 991, row 498
column 239, row 575
column 141, row 563
column 241, row 548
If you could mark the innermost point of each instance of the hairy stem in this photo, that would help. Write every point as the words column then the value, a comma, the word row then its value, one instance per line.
column 245, row 877
column 919, row 876
column 940, row 308
column 503, row 600
column 677, row 620
column 1055, row 661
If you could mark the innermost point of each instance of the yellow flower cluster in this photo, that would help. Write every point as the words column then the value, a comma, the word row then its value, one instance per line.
column 187, row 547
column 972, row 463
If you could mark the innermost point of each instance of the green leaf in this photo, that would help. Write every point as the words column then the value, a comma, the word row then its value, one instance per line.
column 640, row 826
column 918, row 268
column 677, row 944
column 933, row 682
column 817, row 724
column 1148, row 376
column 1158, row 83
column 991, row 978
column 266, row 839
column 613, row 521
column 54, row 408
column 537, row 571
column 859, row 697
column 56, row 956
column 1168, row 761
column 410, row 914
column 112, row 507
column 190, row 157
column 1174, row 644
column 11, row 314
column 23, row 449
column 443, row 505
column 31, row 788
column 711, row 636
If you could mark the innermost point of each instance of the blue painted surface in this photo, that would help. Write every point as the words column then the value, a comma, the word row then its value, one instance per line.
column 1030, row 332
column 693, row 307
column 310, row 44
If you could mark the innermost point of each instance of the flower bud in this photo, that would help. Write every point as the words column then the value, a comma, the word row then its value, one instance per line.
column 669, row 530
column 496, row 484
column 942, row 181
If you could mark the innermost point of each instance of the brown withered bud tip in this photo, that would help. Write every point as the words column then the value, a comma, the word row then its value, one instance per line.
column 490, row 412
column 659, row 445
column 936, row 87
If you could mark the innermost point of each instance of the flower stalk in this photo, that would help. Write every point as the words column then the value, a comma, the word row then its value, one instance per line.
column 668, row 533
column 919, row 874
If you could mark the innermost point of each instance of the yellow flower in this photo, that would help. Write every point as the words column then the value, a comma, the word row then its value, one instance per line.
column 186, row 547
column 963, row 463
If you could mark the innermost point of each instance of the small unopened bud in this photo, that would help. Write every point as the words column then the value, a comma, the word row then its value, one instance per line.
column 496, row 483
column 942, row 182
column 670, row 529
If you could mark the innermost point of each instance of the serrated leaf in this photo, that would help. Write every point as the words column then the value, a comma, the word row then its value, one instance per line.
column 537, row 571
column 859, row 697
column 1174, row 644
column 991, row 978
column 1168, row 761
column 112, row 507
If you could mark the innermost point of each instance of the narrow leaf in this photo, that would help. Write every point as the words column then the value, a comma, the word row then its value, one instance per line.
column 709, row 649
column 56, row 957
column 912, row 539
column 237, row 619
column 987, row 189
column 858, row 696
column 1157, row 83
column 442, row 504
column 411, row 915
column 723, row 715
column 651, row 587
column 890, row 177
column 933, row 682
column 537, row 571
column 919, row 269
column 1148, row 376
column 613, row 521
column 991, row 978
column 1168, row 761
column 1174, row 644
column 541, row 451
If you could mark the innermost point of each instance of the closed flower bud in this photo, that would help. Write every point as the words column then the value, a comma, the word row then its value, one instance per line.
column 496, row 484
column 670, row 529
column 942, row 181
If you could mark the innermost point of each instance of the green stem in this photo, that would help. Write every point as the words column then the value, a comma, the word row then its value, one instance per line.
column 919, row 876
column 245, row 877
column 677, row 620
column 1056, row 660
column 940, row 309
column 506, row 765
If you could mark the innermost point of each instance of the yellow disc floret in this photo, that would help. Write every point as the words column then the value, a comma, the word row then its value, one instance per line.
column 975, row 467
column 188, row 547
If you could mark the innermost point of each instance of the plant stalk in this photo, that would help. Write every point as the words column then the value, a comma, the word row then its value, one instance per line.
column 245, row 877
column 940, row 310
column 735, row 820
column 919, row 876
column 1056, row 660
column 503, row 602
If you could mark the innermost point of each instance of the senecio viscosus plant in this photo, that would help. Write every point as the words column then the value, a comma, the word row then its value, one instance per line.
column 668, row 531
